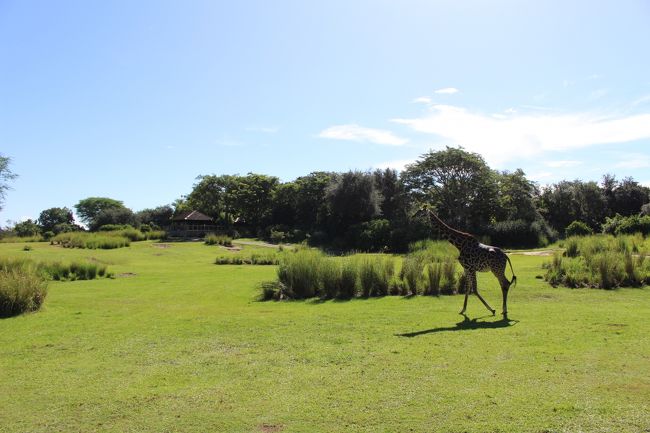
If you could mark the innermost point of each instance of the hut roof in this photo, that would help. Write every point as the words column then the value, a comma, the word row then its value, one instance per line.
column 193, row 215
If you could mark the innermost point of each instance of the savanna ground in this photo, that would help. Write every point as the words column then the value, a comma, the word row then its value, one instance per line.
column 176, row 343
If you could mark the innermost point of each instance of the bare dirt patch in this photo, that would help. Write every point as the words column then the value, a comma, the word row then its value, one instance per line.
column 126, row 275
column 161, row 245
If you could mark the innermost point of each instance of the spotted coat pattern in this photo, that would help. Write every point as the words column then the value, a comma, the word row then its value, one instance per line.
column 476, row 257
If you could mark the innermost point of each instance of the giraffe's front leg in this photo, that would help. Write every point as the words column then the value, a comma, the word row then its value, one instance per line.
column 468, row 289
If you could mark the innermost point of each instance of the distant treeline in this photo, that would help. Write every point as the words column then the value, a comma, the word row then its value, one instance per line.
column 371, row 211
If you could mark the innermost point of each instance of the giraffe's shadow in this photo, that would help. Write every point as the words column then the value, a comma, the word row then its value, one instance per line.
column 466, row 324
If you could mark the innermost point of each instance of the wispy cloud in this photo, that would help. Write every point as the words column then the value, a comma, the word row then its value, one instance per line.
column 527, row 135
column 446, row 91
column 422, row 100
column 355, row 132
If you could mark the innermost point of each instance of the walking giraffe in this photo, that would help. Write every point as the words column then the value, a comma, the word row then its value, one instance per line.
column 476, row 257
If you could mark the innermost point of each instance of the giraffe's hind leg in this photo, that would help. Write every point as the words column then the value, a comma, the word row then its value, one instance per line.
column 505, row 285
column 471, row 284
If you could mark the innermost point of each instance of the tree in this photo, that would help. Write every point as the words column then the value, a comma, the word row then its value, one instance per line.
column 6, row 176
column 284, row 204
column 158, row 217
column 458, row 183
column 394, row 203
column 352, row 199
column 253, row 195
column 55, row 218
column 27, row 228
column 113, row 216
column 90, row 207
column 517, row 197
column 568, row 201
column 311, row 206
column 209, row 196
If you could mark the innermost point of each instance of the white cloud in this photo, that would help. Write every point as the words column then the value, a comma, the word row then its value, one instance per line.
column 563, row 163
column 355, row 132
column 446, row 91
column 527, row 135
column 422, row 100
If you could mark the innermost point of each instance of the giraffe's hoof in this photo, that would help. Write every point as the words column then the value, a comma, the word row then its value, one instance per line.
column 494, row 312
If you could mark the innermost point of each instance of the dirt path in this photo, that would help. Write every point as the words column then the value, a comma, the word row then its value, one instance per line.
column 534, row 253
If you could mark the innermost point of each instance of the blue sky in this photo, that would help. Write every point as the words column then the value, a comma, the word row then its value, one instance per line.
column 134, row 99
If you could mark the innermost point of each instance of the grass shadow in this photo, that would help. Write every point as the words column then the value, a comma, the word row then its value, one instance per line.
column 466, row 324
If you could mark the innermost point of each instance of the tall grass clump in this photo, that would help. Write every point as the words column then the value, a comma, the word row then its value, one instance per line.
column 600, row 261
column 412, row 273
column 22, row 289
column 213, row 239
column 298, row 273
column 256, row 258
column 90, row 240
column 348, row 279
column 375, row 275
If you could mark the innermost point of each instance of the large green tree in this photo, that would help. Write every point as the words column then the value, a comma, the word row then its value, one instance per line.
column 352, row 198
column 55, row 219
column 458, row 183
column 90, row 207
column 517, row 196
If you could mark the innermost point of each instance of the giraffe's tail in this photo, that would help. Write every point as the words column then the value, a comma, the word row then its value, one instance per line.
column 513, row 282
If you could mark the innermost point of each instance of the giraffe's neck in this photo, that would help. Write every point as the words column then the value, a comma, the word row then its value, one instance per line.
column 455, row 237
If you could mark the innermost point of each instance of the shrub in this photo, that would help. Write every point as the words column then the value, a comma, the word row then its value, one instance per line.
column 22, row 289
column 578, row 228
column 600, row 261
column 277, row 236
column 330, row 278
column 348, row 282
column 90, row 240
column 213, row 239
column 375, row 275
column 298, row 273
column 412, row 273
column 434, row 277
column 619, row 225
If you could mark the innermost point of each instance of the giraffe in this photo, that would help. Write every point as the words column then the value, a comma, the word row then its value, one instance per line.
column 476, row 257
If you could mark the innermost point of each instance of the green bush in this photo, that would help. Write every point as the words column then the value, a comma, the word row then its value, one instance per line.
column 214, row 239
column 108, row 240
column 578, row 228
column 298, row 273
column 600, row 261
column 22, row 289
column 375, row 274
column 620, row 225
column 349, row 277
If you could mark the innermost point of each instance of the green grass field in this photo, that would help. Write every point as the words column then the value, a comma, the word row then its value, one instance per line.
column 176, row 343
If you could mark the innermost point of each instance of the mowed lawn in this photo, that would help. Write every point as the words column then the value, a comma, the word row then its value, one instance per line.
column 175, row 343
